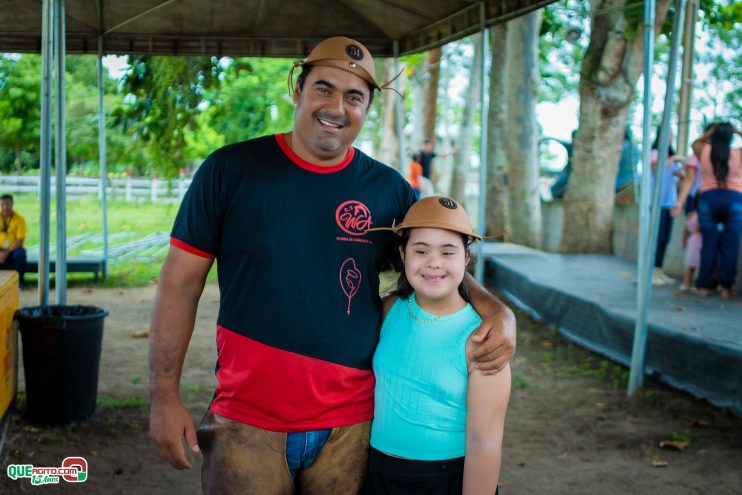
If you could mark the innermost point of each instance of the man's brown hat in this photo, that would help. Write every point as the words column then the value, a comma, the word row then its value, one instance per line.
column 345, row 54
column 437, row 212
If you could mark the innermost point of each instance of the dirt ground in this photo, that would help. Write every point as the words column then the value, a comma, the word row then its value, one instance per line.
column 569, row 429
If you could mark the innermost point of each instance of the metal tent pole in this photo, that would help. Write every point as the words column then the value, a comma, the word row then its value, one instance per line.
column 636, row 372
column 482, row 220
column 60, row 161
column 398, row 116
column 47, row 43
column 102, row 156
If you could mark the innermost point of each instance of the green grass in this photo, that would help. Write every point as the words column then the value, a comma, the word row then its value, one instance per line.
column 117, row 403
column 84, row 216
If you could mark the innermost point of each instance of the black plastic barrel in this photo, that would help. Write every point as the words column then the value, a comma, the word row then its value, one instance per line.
column 61, row 356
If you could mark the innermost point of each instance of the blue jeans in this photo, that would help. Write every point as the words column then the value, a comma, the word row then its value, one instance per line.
column 16, row 261
column 720, row 217
column 663, row 237
column 303, row 447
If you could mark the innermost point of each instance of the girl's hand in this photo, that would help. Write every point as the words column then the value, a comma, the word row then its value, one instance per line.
column 676, row 209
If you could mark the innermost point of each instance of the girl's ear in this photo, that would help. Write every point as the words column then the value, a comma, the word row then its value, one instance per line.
column 401, row 253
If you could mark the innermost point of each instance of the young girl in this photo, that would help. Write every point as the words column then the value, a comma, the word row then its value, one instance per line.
column 692, row 243
column 438, row 424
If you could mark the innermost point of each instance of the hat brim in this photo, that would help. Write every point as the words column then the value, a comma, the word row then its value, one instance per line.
column 397, row 229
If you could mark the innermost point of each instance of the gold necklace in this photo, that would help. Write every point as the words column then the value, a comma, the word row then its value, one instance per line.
column 417, row 318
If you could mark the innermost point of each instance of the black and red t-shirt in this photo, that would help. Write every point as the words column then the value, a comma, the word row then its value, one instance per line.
column 299, row 312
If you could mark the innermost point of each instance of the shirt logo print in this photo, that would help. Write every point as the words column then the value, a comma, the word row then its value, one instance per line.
column 353, row 217
column 350, row 279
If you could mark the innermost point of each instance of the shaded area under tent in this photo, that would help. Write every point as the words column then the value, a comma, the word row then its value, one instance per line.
column 693, row 344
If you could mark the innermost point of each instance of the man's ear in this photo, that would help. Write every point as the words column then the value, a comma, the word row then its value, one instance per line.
column 295, row 96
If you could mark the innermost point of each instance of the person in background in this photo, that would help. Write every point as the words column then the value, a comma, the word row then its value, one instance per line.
column 668, row 196
column 427, row 154
column 12, row 236
column 719, row 207
column 691, row 242
column 559, row 187
column 626, row 174
column 415, row 174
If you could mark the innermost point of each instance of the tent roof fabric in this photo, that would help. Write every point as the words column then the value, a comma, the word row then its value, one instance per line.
column 266, row 28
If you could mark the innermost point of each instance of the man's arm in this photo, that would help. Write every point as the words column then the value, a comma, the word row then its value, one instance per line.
column 494, row 339
column 18, row 243
column 180, row 286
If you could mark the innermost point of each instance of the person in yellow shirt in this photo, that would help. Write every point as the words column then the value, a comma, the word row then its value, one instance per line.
column 12, row 235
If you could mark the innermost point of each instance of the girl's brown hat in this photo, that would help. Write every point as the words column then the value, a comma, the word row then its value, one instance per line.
column 437, row 212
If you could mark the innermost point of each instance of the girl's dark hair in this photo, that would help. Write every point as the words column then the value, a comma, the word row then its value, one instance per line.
column 721, row 140
column 656, row 145
column 404, row 289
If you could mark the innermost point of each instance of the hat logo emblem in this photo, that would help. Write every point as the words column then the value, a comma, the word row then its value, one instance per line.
column 448, row 203
column 354, row 52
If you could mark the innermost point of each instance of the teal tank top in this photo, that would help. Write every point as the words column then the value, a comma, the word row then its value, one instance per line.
column 421, row 382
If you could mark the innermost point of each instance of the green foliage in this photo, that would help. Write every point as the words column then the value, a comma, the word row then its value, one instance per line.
column 163, row 97
column 562, row 44
column 252, row 101
column 721, row 89
column 20, row 87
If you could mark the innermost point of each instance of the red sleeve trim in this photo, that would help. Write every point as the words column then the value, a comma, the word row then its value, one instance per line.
column 312, row 167
column 188, row 248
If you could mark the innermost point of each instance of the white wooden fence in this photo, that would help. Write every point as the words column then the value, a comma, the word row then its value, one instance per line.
column 130, row 189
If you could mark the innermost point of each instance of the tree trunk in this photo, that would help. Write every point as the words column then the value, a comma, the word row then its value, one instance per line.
column 419, row 85
column 498, row 216
column 610, row 70
column 389, row 150
column 431, row 94
column 521, row 133
column 461, row 163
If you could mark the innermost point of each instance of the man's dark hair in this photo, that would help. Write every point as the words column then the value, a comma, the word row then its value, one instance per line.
column 7, row 196
column 307, row 69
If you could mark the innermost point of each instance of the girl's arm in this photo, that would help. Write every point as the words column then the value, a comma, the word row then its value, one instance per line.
column 487, row 401
column 685, row 187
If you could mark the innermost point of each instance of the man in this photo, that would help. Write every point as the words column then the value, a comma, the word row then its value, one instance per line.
column 427, row 153
column 287, row 216
column 12, row 235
